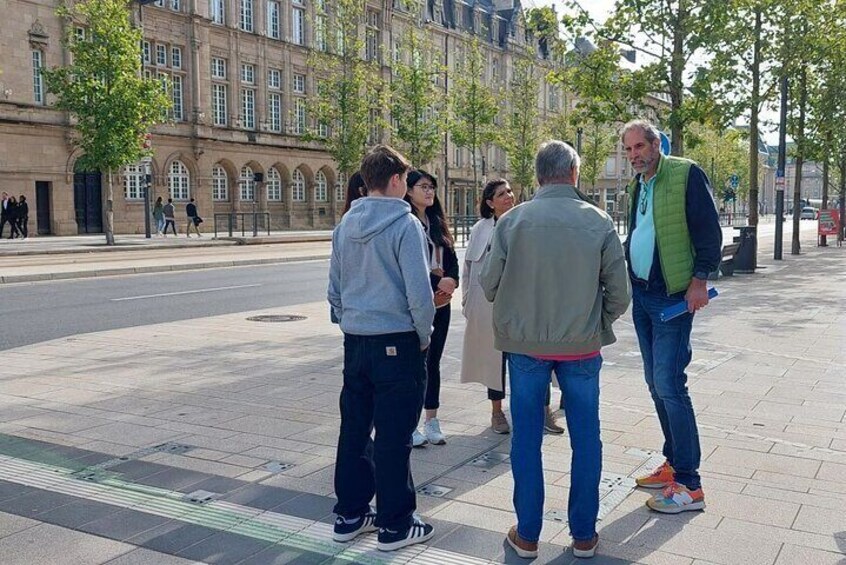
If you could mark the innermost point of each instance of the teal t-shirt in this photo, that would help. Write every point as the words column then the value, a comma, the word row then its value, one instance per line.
column 642, row 243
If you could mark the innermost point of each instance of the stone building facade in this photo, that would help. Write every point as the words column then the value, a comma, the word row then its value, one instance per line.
column 239, row 79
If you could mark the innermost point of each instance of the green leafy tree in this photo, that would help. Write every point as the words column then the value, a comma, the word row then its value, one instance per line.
column 417, row 105
column 721, row 154
column 349, row 91
column 520, row 137
column 598, row 141
column 111, row 104
column 474, row 107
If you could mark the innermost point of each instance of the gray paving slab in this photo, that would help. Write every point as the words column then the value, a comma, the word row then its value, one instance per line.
column 282, row 555
column 78, row 512
column 35, row 503
column 124, row 524
column 59, row 546
column 11, row 524
column 308, row 506
column 143, row 556
column 224, row 549
column 172, row 537
column 261, row 496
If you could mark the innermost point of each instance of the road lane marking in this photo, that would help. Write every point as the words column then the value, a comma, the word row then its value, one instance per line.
column 181, row 292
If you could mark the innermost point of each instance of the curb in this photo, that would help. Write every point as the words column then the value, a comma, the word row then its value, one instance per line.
column 41, row 277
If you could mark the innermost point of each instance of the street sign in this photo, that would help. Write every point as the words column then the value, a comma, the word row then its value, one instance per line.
column 665, row 143
column 734, row 180
column 779, row 183
column 829, row 222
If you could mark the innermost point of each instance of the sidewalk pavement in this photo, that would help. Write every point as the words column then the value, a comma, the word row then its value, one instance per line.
column 213, row 440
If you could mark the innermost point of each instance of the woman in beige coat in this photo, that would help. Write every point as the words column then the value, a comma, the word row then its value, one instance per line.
column 480, row 361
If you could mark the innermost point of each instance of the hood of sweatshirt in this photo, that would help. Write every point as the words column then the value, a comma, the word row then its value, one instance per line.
column 372, row 215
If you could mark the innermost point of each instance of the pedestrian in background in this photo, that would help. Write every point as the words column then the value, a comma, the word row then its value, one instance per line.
column 674, row 242
column 12, row 215
column 557, row 278
column 355, row 190
column 443, row 262
column 480, row 360
column 194, row 219
column 5, row 215
column 158, row 216
column 170, row 216
column 23, row 217
column 380, row 295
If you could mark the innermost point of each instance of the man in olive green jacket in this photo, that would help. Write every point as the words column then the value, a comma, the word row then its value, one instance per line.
column 556, row 275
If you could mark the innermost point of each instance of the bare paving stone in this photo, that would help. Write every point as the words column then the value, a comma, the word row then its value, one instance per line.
column 224, row 549
column 11, row 524
column 822, row 521
column 143, row 556
column 124, row 525
column 794, row 555
column 172, row 537
column 58, row 546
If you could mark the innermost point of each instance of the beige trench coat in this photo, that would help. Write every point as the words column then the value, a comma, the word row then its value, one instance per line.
column 480, row 362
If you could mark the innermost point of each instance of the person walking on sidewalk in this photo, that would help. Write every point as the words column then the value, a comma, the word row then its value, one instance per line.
column 480, row 361
column 7, row 216
column 443, row 262
column 674, row 242
column 158, row 215
column 23, row 217
column 194, row 219
column 556, row 275
column 170, row 216
column 380, row 294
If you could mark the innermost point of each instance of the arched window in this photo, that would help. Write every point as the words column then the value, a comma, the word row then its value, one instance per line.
column 220, row 184
column 133, row 181
column 341, row 187
column 321, row 188
column 298, row 186
column 274, row 184
column 248, row 184
column 178, row 181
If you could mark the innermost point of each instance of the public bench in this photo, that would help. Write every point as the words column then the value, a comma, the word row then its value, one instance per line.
column 726, row 268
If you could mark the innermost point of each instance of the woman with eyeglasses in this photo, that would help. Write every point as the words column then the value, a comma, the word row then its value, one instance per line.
column 422, row 195
column 480, row 361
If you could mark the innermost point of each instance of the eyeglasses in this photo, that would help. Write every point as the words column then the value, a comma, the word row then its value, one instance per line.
column 426, row 187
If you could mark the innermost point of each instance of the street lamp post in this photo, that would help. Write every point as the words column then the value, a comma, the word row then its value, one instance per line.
column 147, row 140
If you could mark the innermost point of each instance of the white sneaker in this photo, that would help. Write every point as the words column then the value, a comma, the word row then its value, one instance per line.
column 418, row 439
column 432, row 429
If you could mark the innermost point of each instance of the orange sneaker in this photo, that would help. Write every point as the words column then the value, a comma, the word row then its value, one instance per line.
column 677, row 498
column 659, row 478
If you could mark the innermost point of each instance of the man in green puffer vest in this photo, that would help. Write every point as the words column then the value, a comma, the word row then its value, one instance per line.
column 674, row 241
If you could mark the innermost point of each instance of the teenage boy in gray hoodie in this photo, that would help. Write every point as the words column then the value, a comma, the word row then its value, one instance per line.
column 380, row 294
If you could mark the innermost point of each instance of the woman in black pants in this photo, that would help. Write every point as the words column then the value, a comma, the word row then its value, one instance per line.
column 22, row 214
column 422, row 195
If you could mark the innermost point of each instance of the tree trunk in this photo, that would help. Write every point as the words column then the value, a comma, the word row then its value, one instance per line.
column 842, row 196
column 753, row 122
column 796, row 247
column 826, row 174
column 108, row 211
column 676, row 81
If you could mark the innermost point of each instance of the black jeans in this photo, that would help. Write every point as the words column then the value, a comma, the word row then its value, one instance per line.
column 494, row 394
column 171, row 223
column 23, row 228
column 384, row 379
column 12, row 225
column 433, row 358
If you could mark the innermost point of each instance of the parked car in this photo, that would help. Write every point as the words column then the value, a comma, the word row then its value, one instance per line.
column 809, row 213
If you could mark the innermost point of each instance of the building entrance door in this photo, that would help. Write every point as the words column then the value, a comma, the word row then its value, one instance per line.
column 42, row 206
column 88, row 201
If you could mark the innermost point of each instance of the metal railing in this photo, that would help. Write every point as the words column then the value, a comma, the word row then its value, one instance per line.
column 732, row 219
column 245, row 222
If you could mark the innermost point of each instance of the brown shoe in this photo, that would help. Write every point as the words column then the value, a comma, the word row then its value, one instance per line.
column 585, row 549
column 523, row 548
column 499, row 423
column 549, row 423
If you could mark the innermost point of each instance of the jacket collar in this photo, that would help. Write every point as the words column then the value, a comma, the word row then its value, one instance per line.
column 557, row 191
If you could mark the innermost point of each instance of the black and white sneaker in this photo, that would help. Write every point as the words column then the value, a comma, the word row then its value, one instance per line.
column 390, row 540
column 347, row 529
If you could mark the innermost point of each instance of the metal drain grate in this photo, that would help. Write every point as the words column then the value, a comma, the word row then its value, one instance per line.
column 277, row 466
column 277, row 318
column 173, row 448
column 435, row 491
column 489, row 460
column 200, row 497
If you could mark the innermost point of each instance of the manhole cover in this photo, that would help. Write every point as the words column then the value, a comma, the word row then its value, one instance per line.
column 277, row 318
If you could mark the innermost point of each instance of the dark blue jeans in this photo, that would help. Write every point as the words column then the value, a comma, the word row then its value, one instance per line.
column 384, row 381
column 579, row 382
column 665, row 347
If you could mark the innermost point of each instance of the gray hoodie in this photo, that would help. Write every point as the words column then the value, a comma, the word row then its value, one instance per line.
column 378, row 275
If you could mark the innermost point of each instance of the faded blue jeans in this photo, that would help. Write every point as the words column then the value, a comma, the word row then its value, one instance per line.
column 579, row 382
column 665, row 347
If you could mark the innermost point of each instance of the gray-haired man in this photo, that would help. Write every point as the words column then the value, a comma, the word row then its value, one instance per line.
column 557, row 278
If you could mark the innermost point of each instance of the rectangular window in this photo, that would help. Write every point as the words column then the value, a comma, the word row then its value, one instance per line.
column 320, row 33
column 37, row 77
column 299, row 84
column 176, row 57
column 133, row 182
column 323, row 130
column 218, row 69
column 299, row 116
column 217, row 11
column 274, row 111
column 459, row 153
column 176, row 5
column 274, row 29
column 148, row 53
column 611, row 167
column 298, row 26
column 274, row 79
column 219, row 104
column 159, row 3
column 375, row 133
column 176, row 96
column 371, row 46
column 248, row 108
column 246, row 11
column 248, row 74
column 161, row 55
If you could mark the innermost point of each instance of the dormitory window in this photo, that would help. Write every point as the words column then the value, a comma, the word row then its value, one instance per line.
column 274, row 29
column 176, row 97
column 218, row 68
column 298, row 22
column 274, row 112
column 218, row 12
column 161, row 55
column 298, row 186
column 148, row 53
column 341, row 187
column 37, row 77
column 299, row 84
column 321, row 188
column 274, row 185
column 220, row 184
column 299, row 116
column 248, row 108
column 176, row 57
column 248, row 183
column 133, row 181
column 219, row 104
column 246, row 15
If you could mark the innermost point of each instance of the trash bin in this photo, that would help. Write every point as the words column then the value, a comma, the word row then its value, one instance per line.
column 746, row 258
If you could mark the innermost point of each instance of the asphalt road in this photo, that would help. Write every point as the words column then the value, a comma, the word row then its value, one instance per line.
column 32, row 313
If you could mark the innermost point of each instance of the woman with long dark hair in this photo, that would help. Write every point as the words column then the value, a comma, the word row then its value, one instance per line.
column 422, row 195
column 355, row 190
